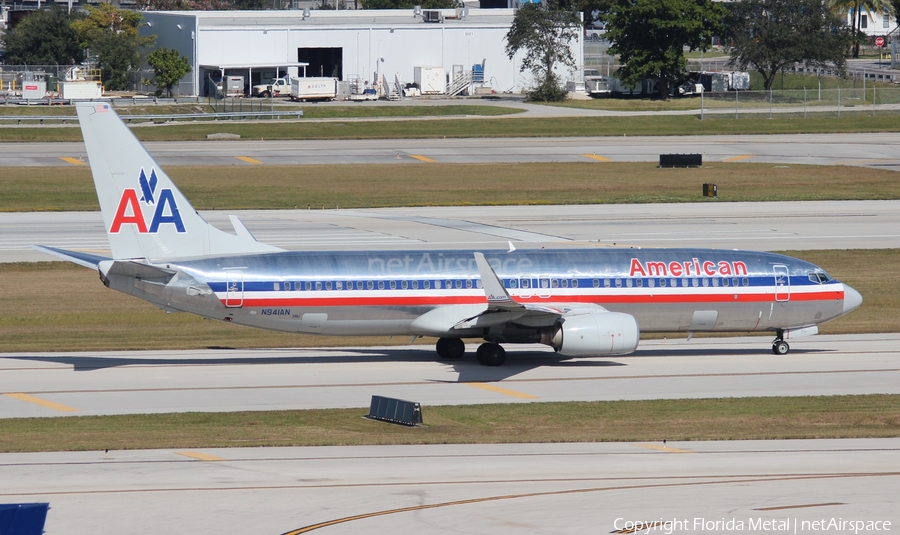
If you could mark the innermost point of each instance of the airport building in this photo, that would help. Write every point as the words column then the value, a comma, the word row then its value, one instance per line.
column 449, row 51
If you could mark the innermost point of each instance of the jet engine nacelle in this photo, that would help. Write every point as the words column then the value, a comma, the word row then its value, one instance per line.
column 596, row 334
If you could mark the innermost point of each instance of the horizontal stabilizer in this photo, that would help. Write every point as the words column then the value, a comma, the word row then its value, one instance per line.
column 137, row 270
column 240, row 229
column 82, row 259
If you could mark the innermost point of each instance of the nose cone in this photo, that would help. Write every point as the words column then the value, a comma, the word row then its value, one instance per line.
column 852, row 299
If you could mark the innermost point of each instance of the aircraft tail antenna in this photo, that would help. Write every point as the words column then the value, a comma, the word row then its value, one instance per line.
column 144, row 213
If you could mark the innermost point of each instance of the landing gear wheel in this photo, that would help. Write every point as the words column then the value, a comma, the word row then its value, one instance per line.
column 450, row 348
column 491, row 354
column 780, row 347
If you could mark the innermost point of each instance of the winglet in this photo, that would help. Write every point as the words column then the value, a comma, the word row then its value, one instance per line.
column 512, row 247
column 493, row 287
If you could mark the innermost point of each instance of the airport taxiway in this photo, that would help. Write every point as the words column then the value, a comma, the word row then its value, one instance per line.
column 877, row 150
column 764, row 226
column 500, row 489
column 103, row 383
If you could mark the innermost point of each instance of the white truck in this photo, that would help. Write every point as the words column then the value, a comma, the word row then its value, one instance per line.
column 276, row 87
column 314, row 88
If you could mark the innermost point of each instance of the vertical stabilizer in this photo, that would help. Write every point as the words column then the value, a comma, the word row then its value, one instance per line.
column 144, row 213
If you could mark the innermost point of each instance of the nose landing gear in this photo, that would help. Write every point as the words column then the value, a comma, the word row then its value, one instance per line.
column 779, row 346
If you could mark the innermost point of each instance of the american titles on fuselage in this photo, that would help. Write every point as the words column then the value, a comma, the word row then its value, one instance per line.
column 427, row 263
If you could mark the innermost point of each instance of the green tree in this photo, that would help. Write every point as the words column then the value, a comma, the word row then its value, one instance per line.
column 112, row 34
column 545, row 33
column 769, row 35
column 650, row 36
column 856, row 9
column 44, row 37
column 169, row 67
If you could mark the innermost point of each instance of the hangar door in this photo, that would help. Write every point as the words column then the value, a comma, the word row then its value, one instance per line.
column 322, row 61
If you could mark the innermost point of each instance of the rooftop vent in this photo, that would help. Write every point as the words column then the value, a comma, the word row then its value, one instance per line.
column 432, row 15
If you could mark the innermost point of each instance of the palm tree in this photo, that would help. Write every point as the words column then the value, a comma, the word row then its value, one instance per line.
column 856, row 7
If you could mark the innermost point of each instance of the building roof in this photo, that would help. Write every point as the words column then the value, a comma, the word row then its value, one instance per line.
column 366, row 17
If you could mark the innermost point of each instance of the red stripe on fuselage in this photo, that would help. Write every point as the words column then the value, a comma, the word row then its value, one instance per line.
column 479, row 299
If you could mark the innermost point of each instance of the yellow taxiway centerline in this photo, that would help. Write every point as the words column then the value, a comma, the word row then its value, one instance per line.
column 421, row 158
column 73, row 161
column 738, row 158
column 42, row 402
column 598, row 158
column 248, row 160
column 200, row 456
column 662, row 448
column 504, row 391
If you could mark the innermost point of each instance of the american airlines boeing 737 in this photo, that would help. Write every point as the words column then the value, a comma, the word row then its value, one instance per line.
column 581, row 302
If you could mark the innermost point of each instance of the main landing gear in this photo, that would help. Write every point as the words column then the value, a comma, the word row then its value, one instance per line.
column 488, row 354
column 450, row 348
column 779, row 346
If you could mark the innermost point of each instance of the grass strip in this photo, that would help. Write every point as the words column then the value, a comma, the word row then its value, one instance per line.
column 760, row 418
column 430, row 128
column 24, row 189
column 57, row 306
column 310, row 111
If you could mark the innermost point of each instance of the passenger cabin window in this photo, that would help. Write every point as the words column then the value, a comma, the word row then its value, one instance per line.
column 328, row 285
column 370, row 285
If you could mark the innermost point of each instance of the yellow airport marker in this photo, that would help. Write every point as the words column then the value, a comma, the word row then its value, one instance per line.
column 598, row 158
column 504, row 391
column 248, row 160
column 200, row 456
column 42, row 402
column 73, row 161
column 662, row 448
column 421, row 158
column 738, row 158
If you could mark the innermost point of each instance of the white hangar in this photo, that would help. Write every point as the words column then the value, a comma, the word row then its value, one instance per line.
column 349, row 45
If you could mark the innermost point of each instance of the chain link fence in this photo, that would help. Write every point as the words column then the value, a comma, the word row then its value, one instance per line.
column 802, row 102
column 138, row 80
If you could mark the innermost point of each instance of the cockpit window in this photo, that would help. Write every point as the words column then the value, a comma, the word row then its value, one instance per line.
column 820, row 277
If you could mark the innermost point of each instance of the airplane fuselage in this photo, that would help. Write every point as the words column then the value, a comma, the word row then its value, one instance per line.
column 383, row 293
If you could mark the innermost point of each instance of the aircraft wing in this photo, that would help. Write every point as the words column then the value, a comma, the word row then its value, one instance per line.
column 87, row 260
column 502, row 308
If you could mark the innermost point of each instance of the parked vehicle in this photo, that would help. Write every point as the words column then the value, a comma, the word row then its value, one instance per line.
column 314, row 88
column 276, row 87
